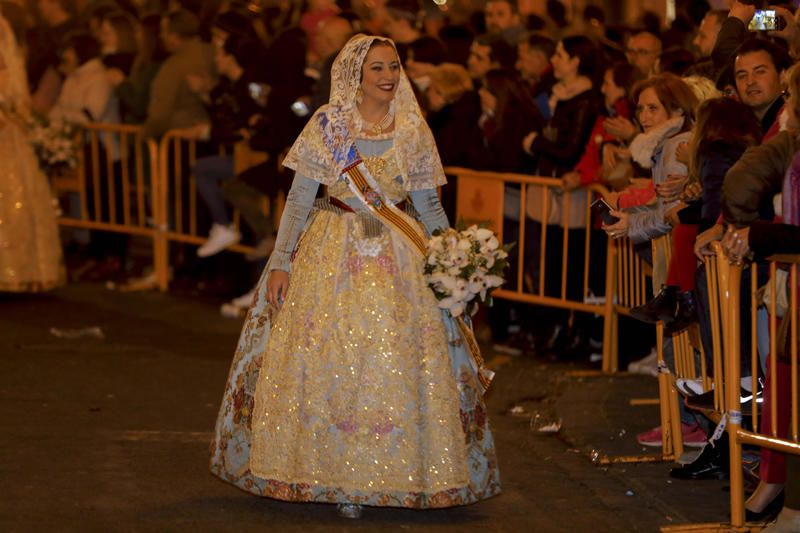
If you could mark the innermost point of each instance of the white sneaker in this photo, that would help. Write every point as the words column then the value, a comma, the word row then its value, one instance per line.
column 691, row 387
column 244, row 301
column 647, row 365
column 219, row 238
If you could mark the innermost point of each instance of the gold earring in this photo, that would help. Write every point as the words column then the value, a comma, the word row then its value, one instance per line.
column 359, row 96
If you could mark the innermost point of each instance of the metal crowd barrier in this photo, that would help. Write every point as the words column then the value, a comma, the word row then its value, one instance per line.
column 726, row 323
column 115, row 183
column 480, row 198
column 179, row 198
column 738, row 436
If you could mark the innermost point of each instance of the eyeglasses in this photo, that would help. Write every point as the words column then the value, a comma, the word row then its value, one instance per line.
column 639, row 52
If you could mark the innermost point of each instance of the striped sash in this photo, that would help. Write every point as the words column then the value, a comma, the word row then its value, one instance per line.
column 366, row 189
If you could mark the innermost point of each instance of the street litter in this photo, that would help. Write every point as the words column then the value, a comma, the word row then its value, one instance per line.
column 629, row 493
column 540, row 425
column 93, row 331
column 518, row 410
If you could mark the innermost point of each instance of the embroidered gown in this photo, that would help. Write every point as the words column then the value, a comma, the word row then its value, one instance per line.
column 359, row 390
column 30, row 248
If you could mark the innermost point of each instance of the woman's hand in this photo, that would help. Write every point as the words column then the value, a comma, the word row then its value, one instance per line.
column 682, row 153
column 736, row 244
column 619, row 229
column 277, row 285
column 115, row 76
column 693, row 191
column 671, row 217
column 619, row 127
column 670, row 189
column 702, row 244
column 527, row 142
column 570, row 181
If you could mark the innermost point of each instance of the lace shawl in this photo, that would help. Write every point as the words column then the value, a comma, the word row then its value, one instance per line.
column 327, row 144
column 14, row 95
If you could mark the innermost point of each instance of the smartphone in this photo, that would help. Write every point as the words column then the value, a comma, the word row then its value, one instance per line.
column 601, row 209
column 766, row 19
column 256, row 90
column 300, row 108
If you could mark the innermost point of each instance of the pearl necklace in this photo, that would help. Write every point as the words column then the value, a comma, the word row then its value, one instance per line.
column 377, row 128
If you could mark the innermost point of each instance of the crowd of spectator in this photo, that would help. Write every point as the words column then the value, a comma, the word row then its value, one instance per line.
column 692, row 127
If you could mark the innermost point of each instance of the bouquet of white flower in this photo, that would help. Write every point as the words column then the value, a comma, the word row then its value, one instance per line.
column 464, row 265
column 54, row 142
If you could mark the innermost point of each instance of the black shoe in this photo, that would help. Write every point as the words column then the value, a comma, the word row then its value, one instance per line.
column 712, row 463
column 661, row 308
column 768, row 514
column 685, row 314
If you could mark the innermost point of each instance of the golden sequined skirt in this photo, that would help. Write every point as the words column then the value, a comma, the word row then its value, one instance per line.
column 30, row 248
column 359, row 397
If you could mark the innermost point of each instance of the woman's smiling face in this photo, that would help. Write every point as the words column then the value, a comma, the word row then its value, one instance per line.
column 380, row 74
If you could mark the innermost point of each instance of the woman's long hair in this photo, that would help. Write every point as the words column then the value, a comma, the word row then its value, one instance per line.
column 721, row 120
column 151, row 49
column 514, row 99
column 125, row 27
column 585, row 50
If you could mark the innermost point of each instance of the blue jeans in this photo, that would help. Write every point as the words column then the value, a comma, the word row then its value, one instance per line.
column 209, row 172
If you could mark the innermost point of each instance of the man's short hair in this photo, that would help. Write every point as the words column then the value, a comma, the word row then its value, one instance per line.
column 501, row 52
column 242, row 48
column 404, row 9
column 84, row 44
column 511, row 4
column 183, row 23
column 779, row 55
column 719, row 14
column 538, row 41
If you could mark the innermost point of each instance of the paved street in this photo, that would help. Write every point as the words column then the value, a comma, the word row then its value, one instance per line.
column 111, row 434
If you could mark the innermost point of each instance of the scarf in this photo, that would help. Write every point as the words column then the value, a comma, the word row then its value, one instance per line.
column 645, row 145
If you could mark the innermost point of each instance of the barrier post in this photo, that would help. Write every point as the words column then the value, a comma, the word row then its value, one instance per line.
column 610, row 324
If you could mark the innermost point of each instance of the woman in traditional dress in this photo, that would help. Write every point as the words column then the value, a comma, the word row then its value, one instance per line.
column 30, row 250
column 349, row 384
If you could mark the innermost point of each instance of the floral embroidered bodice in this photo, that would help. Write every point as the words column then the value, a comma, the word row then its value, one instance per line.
column 380, row 159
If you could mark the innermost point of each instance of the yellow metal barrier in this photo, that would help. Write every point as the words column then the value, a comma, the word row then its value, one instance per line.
column 178, row 197
column 116, row 183
column 480, row 198
column 783, row 443
column 728, row 313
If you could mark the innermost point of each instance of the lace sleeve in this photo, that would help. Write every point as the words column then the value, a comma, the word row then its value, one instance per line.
column 430, row 210
column 299, row 202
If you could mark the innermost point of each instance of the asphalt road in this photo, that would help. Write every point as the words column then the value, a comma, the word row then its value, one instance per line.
column 111, row 434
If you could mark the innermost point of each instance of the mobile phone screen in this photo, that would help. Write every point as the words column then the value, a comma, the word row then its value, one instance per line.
column 764, row 19
column 602, row 210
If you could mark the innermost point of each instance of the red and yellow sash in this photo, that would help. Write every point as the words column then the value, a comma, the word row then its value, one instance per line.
column 366, row 189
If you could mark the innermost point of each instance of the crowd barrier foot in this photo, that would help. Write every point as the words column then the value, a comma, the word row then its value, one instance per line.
column 605, row 460
column 593, row 374
column 712, row 528
column 635, row 402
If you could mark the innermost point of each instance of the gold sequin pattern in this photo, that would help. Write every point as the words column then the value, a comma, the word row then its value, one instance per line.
column 30, row 248
column 356, row 388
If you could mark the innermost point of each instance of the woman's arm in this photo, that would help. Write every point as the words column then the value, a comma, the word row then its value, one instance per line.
column 431, row 214
column 299, row 202
column 571, row 141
